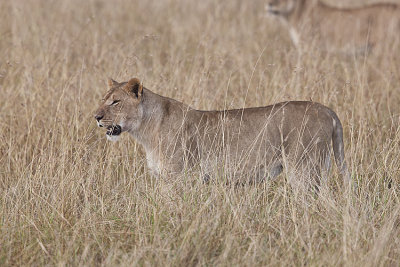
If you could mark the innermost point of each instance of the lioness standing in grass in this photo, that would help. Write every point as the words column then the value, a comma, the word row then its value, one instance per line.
column 356, row 28
column 248, row 144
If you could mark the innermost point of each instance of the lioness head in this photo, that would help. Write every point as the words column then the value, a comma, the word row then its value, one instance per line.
column 120, row 109
column 280, row 7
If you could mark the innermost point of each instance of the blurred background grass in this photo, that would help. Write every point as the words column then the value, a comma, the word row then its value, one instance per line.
column 68, row 197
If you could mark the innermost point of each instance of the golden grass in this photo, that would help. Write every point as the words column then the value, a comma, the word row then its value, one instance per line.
column 69, row 197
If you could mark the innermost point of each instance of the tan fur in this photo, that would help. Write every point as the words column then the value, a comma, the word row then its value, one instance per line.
column 250, row 143
column 356, row 28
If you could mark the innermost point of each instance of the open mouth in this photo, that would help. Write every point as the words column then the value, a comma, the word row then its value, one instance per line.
column 114, row 130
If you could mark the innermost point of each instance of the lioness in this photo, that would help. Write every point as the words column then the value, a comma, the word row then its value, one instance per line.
column 249, row 143
column 354, row 28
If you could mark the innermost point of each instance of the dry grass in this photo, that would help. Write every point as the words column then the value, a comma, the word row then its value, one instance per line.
column 68, row 197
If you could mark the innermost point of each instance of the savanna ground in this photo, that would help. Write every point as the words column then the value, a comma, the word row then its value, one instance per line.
column 69, row 197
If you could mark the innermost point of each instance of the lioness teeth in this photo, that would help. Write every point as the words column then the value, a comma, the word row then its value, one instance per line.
column 114, row 130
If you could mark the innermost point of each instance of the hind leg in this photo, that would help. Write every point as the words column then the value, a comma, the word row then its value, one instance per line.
column 309, row 171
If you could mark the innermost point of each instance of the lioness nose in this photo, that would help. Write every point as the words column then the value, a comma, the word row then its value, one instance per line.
column 98, row 117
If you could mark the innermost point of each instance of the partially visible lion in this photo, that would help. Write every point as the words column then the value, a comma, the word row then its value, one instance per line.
column 251, row 143
column 355, row 28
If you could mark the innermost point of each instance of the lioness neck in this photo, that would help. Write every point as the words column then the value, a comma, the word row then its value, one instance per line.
column 156, row 110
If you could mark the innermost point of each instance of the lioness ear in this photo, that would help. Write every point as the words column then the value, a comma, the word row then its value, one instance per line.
column 135, row 86
column 112, row 83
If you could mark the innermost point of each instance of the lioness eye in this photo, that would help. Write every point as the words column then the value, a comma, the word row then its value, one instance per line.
column 115, row 102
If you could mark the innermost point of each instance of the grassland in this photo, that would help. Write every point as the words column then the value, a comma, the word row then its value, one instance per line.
column 69, row 197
